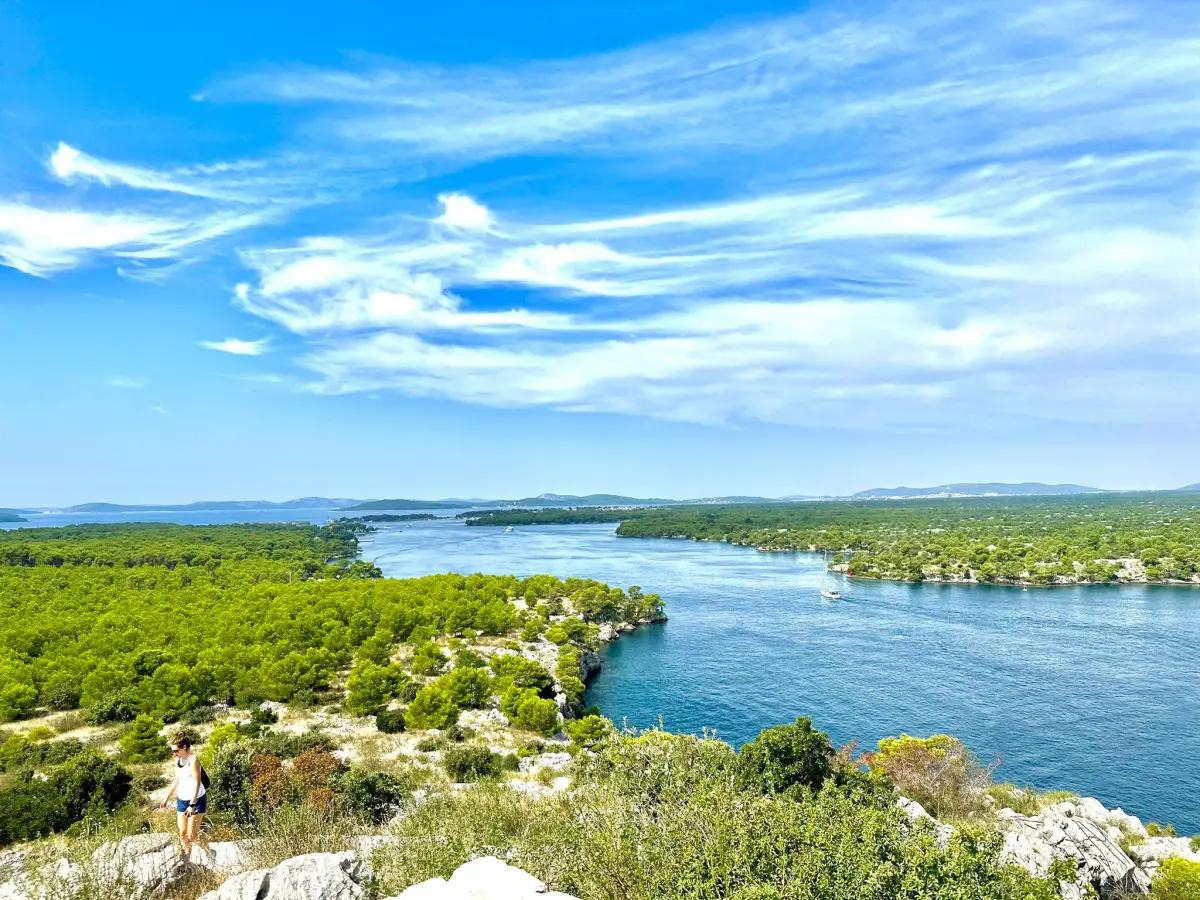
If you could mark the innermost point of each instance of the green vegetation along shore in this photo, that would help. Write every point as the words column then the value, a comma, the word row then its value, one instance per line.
column 332, row 706
column 1094, row 539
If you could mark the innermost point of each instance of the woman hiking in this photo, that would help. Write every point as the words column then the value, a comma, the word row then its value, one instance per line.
column 192, row 797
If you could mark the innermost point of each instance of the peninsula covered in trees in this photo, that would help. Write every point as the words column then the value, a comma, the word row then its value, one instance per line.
column 1043, row 540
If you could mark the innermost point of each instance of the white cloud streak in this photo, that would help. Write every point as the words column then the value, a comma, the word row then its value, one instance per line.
column 901, row 215
column 238, row 347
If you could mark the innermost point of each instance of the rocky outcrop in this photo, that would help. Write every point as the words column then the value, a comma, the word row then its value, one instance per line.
column 314, row 876
column 486, row 878
column 1034, row 842
column 145, row 865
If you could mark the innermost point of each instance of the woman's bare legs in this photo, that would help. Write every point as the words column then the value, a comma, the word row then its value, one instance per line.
column 196, row 835
column 184, row 837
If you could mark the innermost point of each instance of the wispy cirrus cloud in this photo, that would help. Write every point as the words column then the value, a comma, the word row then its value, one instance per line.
column 123, row 381
column 238, row 347
column 902, row 214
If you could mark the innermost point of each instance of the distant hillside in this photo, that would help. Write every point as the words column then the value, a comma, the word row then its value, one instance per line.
column 1189, row 489
column 992, row 489
column 211, row 505
column 12, row 515
column 589, row 500
column 400, row 504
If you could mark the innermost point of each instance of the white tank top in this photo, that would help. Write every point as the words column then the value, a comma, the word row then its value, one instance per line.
column 186, row 787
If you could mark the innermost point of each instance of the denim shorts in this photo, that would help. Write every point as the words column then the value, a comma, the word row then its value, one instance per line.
column 201, row 805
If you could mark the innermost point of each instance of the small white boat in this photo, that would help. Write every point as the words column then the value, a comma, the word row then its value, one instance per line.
column 509, row 528
column 827, row 592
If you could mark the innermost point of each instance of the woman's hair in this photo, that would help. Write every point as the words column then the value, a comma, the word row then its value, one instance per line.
column 182, row 740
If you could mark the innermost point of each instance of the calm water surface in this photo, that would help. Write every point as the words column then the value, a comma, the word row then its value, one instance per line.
column 1095, row 690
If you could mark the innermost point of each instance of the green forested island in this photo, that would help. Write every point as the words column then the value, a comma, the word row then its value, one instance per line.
column 1099, row 538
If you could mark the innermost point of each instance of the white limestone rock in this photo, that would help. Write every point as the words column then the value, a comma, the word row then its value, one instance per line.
column 144, row 865
column 608, row 632
column 314, row 876
column 1150, row 853
column 1034, row 842
column 489, row 878
column 486, row 878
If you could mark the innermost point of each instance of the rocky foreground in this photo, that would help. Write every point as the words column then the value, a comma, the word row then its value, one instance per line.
column 1112, row 850
column 1109, row 851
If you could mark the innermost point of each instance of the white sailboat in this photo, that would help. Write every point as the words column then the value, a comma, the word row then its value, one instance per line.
column 826, row 591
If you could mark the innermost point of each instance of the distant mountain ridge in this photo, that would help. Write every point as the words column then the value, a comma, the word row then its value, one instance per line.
column 968, row 489
column 211, row 505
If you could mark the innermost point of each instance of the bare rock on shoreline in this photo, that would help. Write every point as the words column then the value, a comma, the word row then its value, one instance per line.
column 1034, row 842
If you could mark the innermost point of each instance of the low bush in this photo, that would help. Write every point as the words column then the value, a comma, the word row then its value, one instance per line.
column 62, row 692
column 200, row 715
column 287, row 745
column 263, row 716
column 433, row 707
column 1023, row 800
column 786, row 758
column 88, row 782
column 430, row 744
column 1176, row 879
column 18, row 752
column 1156, row 830
column 1194, row 843
column 372, row 685
column 939, row 772
column 471, row 762
column 660, row 817
column 373, row 796
column 588, row 731
column 428, row 659
column 143, row 743
column 119, row 706
column 390, row 721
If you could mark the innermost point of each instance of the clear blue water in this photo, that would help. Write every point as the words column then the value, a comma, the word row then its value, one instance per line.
column 1095, row 690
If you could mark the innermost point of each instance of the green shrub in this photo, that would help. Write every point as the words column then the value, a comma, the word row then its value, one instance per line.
column 286, row 745
column 371, row 686
column 374, row 796
column 430, row 744
column 456, row 733
column 409, row 692
column 263, row 716
column 469, row 688
column 536, row 714
column 588, row 731
column 469, row 659
column 659, row 817
column 88, row 776
column 510, row 702
column 62, row 692
column 200, row 715
column 428, row 659
column 785, row 758
column 231, row 789
column 471, row 762
column 30, row 808
column 433, row 707
column 143, row 743
column 938, row 772
column 1176, row 879
column 532, row 630
column 120, row 706
column 390, row 721
column 1194, row 843
column 1156, row 830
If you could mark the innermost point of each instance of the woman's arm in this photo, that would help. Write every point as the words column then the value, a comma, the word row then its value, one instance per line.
column 171, row 789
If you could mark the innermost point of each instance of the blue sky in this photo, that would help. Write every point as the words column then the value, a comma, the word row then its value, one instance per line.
column 654, row 248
